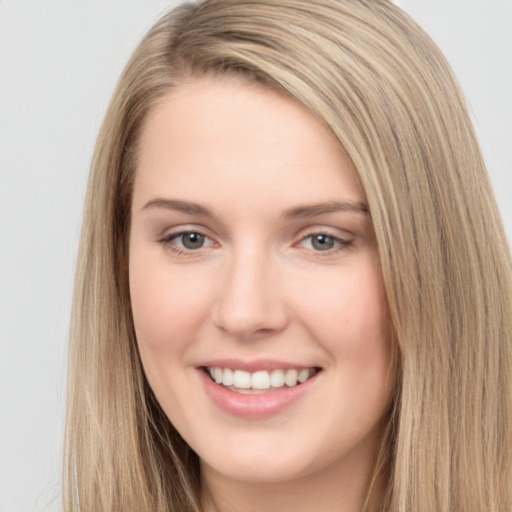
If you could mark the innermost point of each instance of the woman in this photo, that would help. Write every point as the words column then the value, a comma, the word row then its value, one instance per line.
column 293, row 287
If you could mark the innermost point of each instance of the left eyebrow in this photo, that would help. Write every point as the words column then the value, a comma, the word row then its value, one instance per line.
column 312, row 210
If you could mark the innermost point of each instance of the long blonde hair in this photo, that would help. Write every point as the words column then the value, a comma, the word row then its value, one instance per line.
column 383, row 88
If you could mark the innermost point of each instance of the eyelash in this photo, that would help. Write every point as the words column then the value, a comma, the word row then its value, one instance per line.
column 341, row 244
column 167, row 242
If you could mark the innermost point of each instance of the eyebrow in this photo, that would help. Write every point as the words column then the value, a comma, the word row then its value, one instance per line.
column 312, row 210
column 301, row 211
column 181, row 206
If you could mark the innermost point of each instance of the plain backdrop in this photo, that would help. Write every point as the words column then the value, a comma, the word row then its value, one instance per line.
column 59, row 61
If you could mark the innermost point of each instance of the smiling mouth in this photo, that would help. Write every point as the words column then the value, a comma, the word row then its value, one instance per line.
column 241, row 381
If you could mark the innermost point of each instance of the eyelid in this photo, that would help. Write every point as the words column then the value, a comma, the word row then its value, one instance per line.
column 179, row 229
column 339, row 240
column 181, row 234
column 320, row 229
column 167, row 238
column 342, row 242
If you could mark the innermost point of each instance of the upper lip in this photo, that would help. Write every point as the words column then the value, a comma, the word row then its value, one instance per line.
column 255, row 365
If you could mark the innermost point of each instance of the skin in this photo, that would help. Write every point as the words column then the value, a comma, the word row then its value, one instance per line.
column 259, row 288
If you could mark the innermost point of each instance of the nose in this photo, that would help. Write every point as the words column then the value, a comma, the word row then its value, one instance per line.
column 251, row 301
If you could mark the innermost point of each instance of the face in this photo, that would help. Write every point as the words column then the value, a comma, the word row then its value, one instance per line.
column 255, row 286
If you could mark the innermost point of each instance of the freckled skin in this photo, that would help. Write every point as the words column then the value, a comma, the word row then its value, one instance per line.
column 258, row 287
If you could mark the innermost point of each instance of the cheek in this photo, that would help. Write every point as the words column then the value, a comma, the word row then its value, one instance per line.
column 168, row 311
column 166, row 306
column 348, row 316
column 348, row 312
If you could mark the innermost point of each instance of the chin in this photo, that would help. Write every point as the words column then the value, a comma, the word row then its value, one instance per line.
column 256, row 470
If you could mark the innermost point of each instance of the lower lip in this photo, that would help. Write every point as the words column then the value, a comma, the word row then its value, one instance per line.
column 254, row 406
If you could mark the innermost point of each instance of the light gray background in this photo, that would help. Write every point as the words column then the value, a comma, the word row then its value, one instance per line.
column 59, row 61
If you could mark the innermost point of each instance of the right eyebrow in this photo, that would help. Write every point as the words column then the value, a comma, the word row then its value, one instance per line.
column 188, row 207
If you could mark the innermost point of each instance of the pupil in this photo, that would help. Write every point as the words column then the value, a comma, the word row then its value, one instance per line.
column 193, row 240
column 323, row 242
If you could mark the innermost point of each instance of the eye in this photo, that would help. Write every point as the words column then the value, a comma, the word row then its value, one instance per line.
column 186, row 241
column 323, row 242
column 190, row 241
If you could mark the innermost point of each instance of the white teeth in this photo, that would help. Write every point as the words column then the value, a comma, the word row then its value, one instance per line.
column 261, row 380
column 291, row 378
column 218, row 375
column 303, row 375
column 228, row 379
column 241, row 379
column 277, row 379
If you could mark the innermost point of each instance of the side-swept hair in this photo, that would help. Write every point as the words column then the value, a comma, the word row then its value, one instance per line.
column 378, row 82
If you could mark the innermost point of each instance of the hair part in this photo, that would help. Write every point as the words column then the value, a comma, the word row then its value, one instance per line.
column 385, row 91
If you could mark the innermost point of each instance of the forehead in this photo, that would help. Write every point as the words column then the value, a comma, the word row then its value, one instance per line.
column 229, row 136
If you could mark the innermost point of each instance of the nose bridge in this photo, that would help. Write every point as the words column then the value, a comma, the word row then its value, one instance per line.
column 250, row 300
